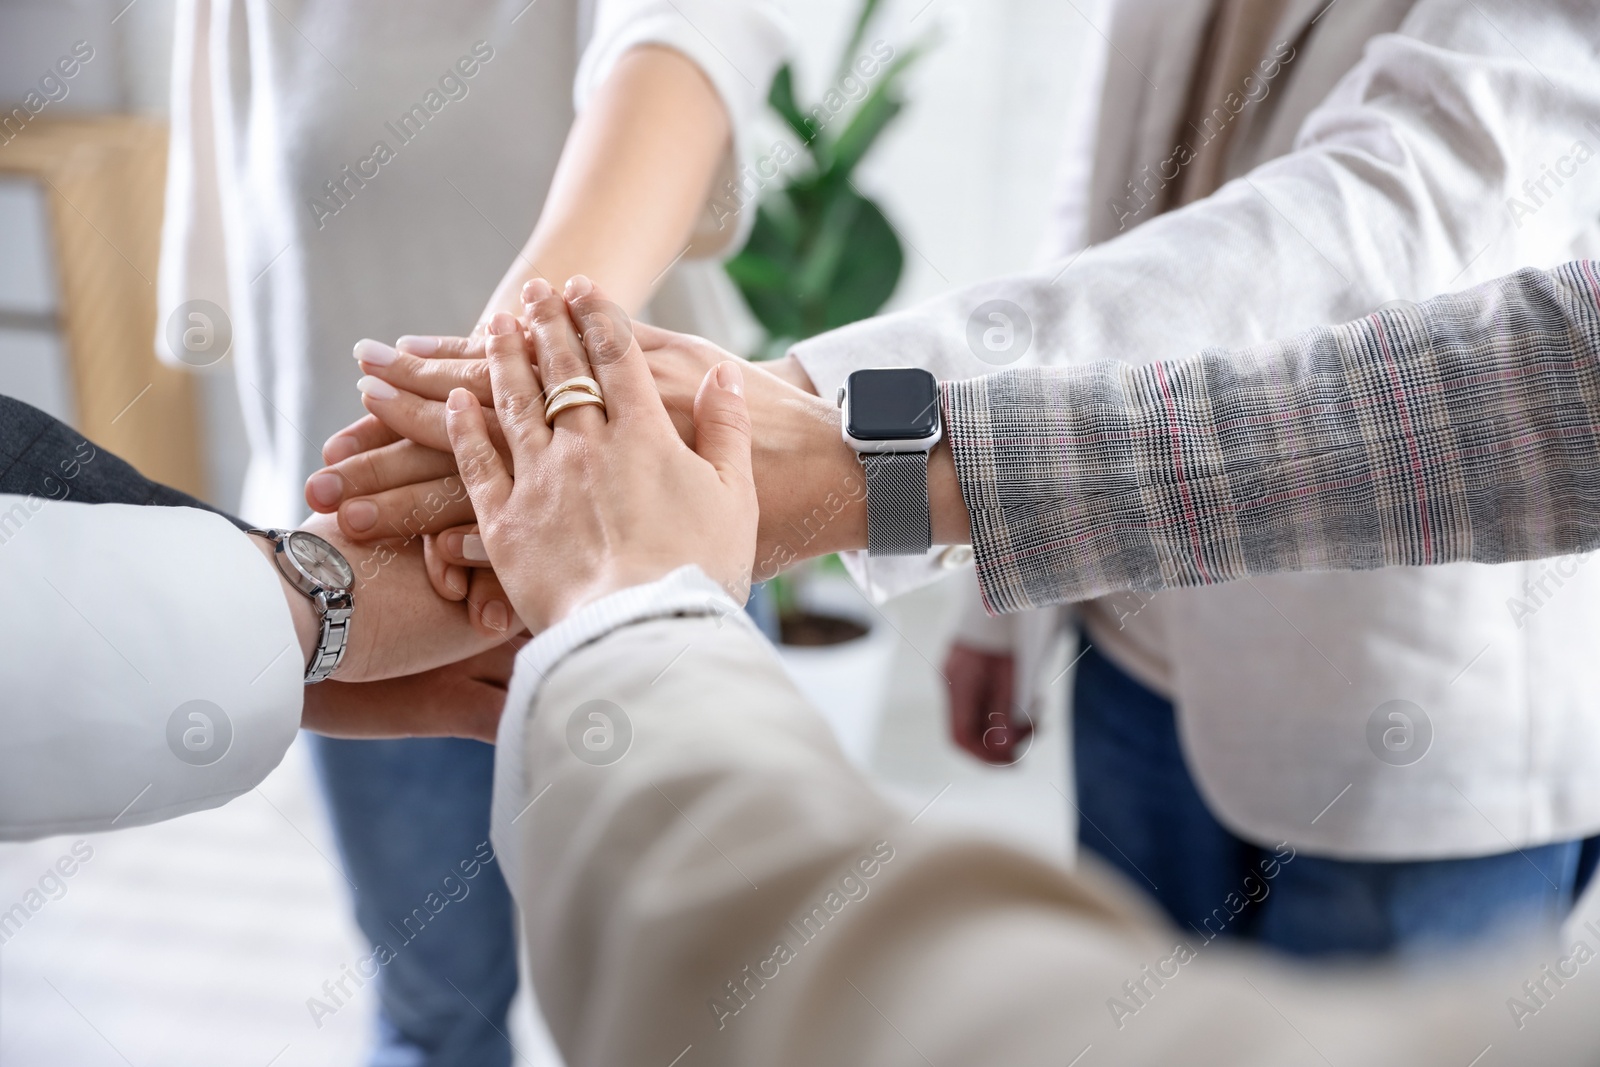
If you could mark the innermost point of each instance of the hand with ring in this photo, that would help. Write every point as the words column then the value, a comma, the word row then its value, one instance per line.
column 596, row 491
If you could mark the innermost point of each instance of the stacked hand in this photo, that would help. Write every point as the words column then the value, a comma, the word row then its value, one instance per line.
column 416, row 666
column 395, row 470
column 520, row 519
column 602, row 499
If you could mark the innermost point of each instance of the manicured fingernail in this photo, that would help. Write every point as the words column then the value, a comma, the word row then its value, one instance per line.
column 536, row 290
column 503, row 323
column 325, row 488
column 495, row 615
column 579, row 287
column 730, row 377
column 377, row 388
column 418, row 346
column 455, row 580
column 359, row 515
column 472, row 548
column 459, row 400
column 375, row 352
column 339, row 448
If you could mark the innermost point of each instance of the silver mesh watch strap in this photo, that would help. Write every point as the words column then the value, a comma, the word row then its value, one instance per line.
column 898, row 523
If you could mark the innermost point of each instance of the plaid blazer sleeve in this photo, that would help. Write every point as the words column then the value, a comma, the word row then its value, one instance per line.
column 1462, row 428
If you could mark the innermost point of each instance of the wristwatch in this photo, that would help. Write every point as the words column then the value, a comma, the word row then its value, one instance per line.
column 321, row 572
column 891, row 418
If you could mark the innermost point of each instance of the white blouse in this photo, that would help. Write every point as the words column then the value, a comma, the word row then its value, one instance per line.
column 335, row 175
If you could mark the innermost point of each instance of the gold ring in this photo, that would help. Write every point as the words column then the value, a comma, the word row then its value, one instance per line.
column 575, row 398
column 582, row 382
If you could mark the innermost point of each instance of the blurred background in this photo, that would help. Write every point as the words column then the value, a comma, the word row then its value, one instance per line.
column 198, row 942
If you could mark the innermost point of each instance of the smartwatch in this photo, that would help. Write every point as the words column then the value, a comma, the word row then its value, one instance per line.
column 321, row 572
column 892, row 420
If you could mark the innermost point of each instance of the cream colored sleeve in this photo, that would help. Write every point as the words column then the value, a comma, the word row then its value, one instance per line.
column 705, row 880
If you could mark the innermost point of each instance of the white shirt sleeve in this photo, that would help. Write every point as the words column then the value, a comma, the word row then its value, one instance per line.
column 739, row 45
column 148, row 662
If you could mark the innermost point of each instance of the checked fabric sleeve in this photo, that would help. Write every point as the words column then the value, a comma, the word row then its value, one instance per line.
column 1463, row 428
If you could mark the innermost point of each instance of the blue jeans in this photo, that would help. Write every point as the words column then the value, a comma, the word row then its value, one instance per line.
column 412, row 820
column 1141, row 812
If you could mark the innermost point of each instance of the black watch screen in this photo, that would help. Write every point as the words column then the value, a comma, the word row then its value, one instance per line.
column 898, row 404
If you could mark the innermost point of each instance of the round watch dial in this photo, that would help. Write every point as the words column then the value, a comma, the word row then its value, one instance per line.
column 320, row 560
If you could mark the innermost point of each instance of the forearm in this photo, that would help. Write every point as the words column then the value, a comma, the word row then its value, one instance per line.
column 634, row 175
column 1466, row 429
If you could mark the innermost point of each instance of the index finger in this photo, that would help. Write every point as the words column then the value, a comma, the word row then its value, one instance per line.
column 363, row 435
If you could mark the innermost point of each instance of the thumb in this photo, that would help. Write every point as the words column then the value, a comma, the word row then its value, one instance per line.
column 722, row 422
column 482, row 472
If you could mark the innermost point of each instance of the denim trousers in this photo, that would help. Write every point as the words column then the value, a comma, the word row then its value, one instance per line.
column 1141, row 812
column 412, row 821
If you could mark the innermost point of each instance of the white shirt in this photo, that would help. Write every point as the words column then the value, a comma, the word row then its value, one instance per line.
column 148, row 662
column 274, row 100
column 1382, row 165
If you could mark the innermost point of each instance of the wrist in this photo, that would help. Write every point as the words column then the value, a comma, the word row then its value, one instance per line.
column 790, row 370
column 813, row 491
column 307, row 625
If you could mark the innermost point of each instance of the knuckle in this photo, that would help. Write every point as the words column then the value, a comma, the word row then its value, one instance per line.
column 517, row 408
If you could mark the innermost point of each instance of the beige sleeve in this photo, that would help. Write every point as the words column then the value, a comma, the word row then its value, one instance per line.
column 730, row 891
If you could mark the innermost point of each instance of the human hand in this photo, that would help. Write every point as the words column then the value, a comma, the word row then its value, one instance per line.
column 809, row 482
column 400, row 625
column 605, row 499
column 381, row 485
column 462, row 699
column 984, row 720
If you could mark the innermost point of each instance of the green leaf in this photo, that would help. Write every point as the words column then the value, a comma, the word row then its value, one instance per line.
column 879, row 108
column 781, row 100
column 857, row 33
column 867, row 273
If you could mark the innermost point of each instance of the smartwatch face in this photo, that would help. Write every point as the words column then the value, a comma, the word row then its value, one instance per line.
column 320, row 560
column 901, row 404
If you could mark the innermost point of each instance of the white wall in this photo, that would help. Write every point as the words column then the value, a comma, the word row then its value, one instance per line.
column 965, row 173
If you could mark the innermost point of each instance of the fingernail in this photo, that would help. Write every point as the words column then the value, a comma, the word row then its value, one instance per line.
column 325, row 488
column 459, row 400
column 359, row 515
column 730, row 377
column 377, row 388
column 503, row 323
column 495, row 615
column 375, row 352
column 455, row 580
column 536, row 290
column 579, row 287
column 339, row 448
column 418, row 346
column 472, row 548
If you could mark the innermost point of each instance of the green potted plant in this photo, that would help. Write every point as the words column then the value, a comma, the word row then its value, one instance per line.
column 822, row 254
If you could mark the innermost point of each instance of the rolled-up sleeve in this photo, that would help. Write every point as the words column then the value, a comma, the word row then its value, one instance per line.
column 737, row 44
column 1460, row 429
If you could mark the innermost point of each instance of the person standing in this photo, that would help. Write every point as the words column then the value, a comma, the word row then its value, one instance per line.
column 325, row 185
column 1258, row 167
